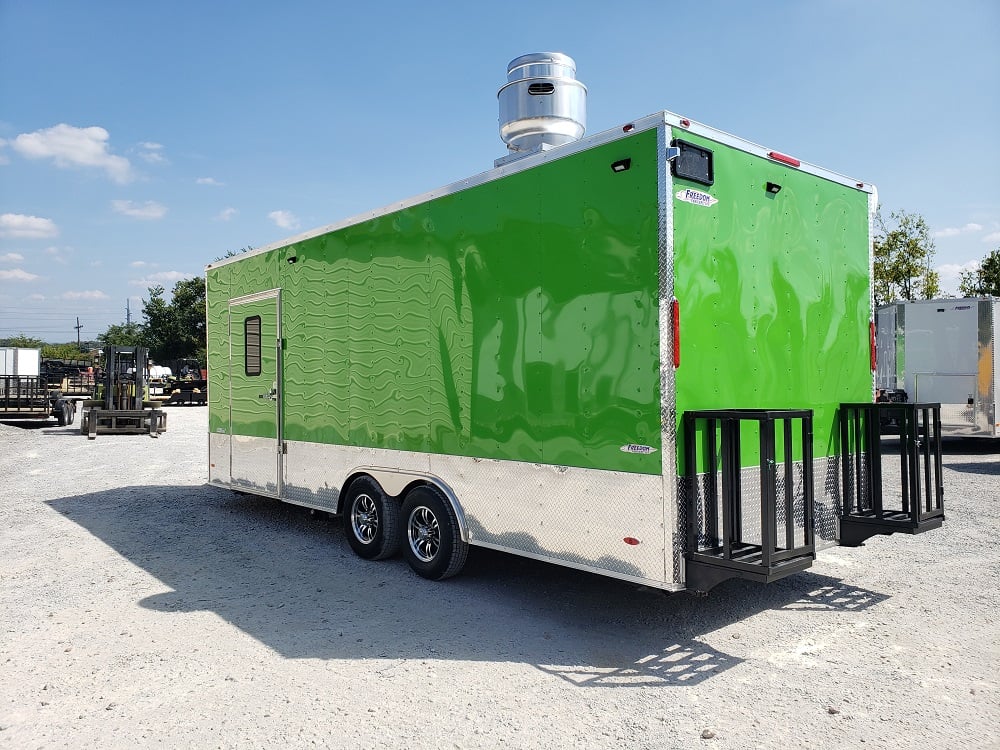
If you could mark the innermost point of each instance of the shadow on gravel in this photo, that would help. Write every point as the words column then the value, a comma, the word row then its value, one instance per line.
column 977, row 467
column 288, row 579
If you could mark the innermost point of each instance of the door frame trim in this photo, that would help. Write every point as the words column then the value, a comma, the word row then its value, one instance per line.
column 279, row 415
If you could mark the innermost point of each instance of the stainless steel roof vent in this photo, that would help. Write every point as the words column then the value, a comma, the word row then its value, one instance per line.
column 542, row 105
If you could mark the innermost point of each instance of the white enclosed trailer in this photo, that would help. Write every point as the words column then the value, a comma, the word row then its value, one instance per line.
column 16, row 360
column 944, row 351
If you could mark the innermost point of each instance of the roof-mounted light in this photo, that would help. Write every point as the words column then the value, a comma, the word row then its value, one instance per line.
column 784, row 158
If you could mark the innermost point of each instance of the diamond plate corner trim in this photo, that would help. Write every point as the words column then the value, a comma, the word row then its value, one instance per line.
column 674, row 510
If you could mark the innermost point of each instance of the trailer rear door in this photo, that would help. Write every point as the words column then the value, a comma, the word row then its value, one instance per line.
column 255, row 391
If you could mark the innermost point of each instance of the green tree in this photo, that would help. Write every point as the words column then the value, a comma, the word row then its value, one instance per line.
column 63, row 351
column 123, row 334
column 234, row 253
column 985, row 279
column 903, row 251
column 23, row 342
column 176, row 329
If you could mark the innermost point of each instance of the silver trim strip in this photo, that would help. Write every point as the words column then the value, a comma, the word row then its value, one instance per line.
column 668, row 396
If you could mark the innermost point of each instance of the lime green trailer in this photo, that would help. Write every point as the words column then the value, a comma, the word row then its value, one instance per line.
column 573, row 357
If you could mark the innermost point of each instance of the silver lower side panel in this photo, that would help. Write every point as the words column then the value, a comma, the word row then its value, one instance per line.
column 613, row 523
column 219, row 464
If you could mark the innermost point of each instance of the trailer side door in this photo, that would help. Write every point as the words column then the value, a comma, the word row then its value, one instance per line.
column 255, row 392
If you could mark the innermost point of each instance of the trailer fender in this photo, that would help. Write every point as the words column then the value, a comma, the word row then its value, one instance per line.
column 396, row 483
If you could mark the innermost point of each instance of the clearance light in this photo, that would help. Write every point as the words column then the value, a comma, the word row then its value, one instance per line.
column 675, row 314
column 631, row 540
column 628, row 128
column 784, row 158
column 685, row 123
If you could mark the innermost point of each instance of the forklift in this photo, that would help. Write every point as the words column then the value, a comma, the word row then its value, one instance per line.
column 119, row 405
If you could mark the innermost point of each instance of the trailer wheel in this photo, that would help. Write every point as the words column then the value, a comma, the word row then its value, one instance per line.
column 371, row 520
column 432, row 544
column 65, row 414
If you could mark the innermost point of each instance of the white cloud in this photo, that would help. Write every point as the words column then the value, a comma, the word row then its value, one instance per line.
column 3, row 157
column 955, row 231
column 70, row 146
column 34, row 227
column 208, row 181
column 36, row 297
column 284, row 219
column 152, row 153
column 950, row 274
column 11, row 258
column 227, row 214
column 148, row 210
column 993, row 237
column 160, row 279
column 88, row 294
column 16, row 274
column 140, row 264
column 58, row 254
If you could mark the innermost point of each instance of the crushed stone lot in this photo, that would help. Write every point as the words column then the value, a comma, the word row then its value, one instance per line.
column 140, row 607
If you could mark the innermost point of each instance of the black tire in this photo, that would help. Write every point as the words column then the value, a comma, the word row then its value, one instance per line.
column 371, row 520
column 72, row 412
column 64, row 414
column 432, row 543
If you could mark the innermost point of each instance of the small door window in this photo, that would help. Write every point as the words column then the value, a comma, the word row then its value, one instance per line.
column 251, row 345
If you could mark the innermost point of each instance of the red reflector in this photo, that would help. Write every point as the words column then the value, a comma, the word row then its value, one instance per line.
column 783, row 158
column 871, row 343
column 675, row 321
column 628, row 128
column 631, row 540
column 685, row 123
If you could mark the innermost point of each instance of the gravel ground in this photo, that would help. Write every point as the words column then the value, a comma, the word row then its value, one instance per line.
column 140, row 608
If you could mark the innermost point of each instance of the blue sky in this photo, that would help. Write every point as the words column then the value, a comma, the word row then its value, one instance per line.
column 140, row 141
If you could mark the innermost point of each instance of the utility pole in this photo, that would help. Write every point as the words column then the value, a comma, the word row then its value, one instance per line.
column 78, row 327
column 128, row 312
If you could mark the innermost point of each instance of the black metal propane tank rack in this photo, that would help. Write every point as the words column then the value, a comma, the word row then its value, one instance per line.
column 783, row 542
column 921, row 505
column 725, row 539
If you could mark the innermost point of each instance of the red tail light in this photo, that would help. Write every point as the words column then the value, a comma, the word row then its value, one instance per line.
column 675, row 315
column 871, row 343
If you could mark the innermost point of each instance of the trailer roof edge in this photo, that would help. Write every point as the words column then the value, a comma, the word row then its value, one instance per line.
column 624, row 130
